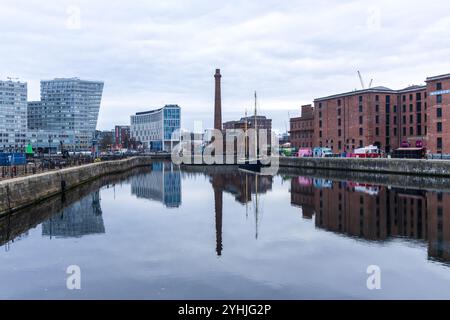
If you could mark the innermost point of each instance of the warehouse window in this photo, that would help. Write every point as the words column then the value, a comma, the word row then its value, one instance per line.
column 439, row 143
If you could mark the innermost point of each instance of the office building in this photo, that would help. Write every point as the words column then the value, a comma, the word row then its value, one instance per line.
column 13, row 116
column 68, row 106
column 154, row 129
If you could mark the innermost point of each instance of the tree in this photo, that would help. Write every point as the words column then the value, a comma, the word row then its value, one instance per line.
column 106, row 142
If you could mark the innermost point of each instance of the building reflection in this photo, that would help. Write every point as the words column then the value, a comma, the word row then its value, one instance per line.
column 81, row 218
column 162, row 184
column 376, row 213
column 242, row 186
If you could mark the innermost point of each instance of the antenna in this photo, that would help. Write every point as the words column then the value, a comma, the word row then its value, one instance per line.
column 370, row 84
column 361, row 80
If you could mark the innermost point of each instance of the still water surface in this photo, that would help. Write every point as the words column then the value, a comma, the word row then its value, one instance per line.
column 218, row 233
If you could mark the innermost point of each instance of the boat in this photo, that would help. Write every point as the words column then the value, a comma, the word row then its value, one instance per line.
column 253, row 165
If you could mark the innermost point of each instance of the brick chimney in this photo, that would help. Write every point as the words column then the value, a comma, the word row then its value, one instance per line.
column 218, row 102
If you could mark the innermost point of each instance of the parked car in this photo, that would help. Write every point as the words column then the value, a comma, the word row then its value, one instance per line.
column 322, row 153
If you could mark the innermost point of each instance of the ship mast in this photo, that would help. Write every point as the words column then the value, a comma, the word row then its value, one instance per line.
column 256, row 129
column 256, row 206
column 245, row 134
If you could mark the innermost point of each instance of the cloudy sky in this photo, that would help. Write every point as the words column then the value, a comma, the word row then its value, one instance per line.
column 150, row 53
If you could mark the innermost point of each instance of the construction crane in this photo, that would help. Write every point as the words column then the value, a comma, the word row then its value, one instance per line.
column 362, row 81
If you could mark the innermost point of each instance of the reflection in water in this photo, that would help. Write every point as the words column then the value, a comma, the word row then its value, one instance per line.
column 147, row 250
column 82, row 218
column 242, row 185
column 162, row 184
column 376, row 212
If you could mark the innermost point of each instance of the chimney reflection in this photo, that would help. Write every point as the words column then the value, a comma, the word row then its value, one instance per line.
column 242, row 186
column 217, row 183
column 376, row 213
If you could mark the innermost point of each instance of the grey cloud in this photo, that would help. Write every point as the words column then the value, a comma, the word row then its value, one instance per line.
column 154, row 52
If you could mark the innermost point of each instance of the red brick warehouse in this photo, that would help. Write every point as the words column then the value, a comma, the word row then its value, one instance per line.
column 416, row 115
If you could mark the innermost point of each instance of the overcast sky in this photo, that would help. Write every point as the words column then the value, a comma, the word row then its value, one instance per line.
column 151, row 53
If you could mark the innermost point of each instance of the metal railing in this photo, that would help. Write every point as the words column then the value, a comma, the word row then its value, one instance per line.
column 40, row 165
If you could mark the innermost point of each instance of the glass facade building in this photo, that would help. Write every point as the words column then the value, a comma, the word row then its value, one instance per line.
column 68, row 107
column 13, row 116
column 154, row 128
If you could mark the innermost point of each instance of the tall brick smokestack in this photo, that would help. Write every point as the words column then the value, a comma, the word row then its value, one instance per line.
column 218, row 102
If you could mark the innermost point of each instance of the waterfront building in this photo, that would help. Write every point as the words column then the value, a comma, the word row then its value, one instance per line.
column 13, row 116
column 44, row 141
column 68, row 105
column 262, row 122
column 154, row 128
column 438, row 89
column 377, row 116
column 302, row 128
column 413, row 116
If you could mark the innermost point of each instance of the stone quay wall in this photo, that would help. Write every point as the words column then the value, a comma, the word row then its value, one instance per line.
column 21, row 192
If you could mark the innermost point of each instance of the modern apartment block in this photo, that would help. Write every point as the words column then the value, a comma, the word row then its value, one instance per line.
column 154, row 128
column 302, row 128
column 68, row 107
column 414, row 116
column 13, row 116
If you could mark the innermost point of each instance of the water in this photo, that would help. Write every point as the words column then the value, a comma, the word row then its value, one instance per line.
column 162, row 233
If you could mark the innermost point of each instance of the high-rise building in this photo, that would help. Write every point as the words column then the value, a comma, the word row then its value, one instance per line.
column 68, row 106
column 13, row 116
column 36, row 118
column 154, row 128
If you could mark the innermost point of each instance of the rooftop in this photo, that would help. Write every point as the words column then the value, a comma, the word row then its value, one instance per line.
column 157, row 110
column 379, row 89
column 443, row 76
